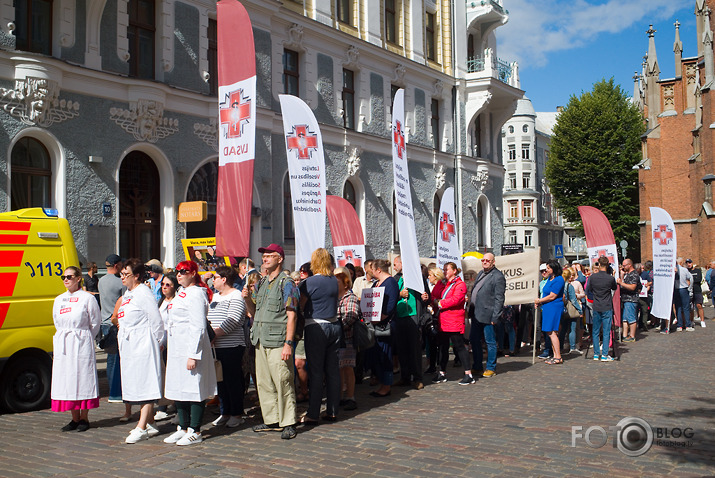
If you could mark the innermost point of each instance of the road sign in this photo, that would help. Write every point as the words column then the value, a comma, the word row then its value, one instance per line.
column 558, row 251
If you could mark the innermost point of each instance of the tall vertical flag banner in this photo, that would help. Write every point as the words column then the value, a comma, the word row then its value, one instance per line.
column 237, row 128
column 665, row 247
column 447, row 243
column 306, row 167
column 601, row 242
column 346, row 231
column 411, row 270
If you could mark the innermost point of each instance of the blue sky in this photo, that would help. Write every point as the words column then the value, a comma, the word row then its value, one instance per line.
column 564, row 46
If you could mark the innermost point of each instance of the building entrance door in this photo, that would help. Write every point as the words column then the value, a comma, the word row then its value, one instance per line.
column 139, row 208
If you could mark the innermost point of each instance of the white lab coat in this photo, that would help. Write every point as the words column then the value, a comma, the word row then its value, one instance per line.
column 188, row 339
column 74, row 368
column 140, row 334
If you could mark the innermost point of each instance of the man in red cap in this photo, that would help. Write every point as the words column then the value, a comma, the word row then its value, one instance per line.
column 273, row 305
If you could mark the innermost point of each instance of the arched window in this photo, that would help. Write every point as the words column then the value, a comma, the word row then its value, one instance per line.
column 349, row 194
column 395, row 229
column 435, row 211
column 31, row 174
column 288, row 228
column 204, row 187
column 481, row 225
column 139, row 207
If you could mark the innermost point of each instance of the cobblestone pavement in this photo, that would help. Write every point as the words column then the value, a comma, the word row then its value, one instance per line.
column 518, row 423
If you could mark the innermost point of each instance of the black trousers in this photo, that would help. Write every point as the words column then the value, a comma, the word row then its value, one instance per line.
column 408, row 348
column 460, row 349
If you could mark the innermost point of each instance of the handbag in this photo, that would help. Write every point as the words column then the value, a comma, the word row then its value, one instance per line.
column 571, row 309
column 382, row 328
column 363, row 335
column 218, row 366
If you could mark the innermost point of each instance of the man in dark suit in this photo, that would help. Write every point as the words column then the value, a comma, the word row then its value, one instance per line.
column 485, row 306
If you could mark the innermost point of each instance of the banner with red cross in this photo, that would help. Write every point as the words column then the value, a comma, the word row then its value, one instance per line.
column 306, row 170
column 236, row 128
column 407, row 236
column 447, row 244
column 665, row 249
column 346, row 232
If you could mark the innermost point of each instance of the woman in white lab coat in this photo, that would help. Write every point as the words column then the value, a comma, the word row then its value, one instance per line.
column 141, row 332
column 190, row 372
column 74, row 368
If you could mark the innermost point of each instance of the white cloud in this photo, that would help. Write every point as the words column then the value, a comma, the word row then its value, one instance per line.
column 539, row 27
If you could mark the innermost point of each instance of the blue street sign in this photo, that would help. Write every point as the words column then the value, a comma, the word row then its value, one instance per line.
column 559, row 251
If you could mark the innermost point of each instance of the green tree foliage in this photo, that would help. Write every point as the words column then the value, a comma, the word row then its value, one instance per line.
column 596, row 143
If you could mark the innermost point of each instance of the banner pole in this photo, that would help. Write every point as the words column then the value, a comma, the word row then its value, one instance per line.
column 537, row 320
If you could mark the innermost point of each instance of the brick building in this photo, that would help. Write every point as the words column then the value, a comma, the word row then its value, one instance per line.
column 678, row 166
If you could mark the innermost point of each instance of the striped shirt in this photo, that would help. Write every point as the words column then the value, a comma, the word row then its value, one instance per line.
column 229, row 313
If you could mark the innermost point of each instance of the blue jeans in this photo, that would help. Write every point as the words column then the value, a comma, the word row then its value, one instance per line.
column 322, row 342
column 569, row 326
column 502, row 328
column 630, row 312
column 602, row 327
column 113, row 371
column 486, row 331
column 682, row 307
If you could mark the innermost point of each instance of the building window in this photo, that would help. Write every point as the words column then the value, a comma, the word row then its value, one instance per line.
column 390, row 21
column 525, row 150
column 393, row 92
column 204, row 187
column 512, row 152
column 511, row 129
column 430, row 39
column 512, row 237
column 291, row 73
column 349, row 194
column 528, row 208
column 345, row 11
column 528, row 238
column 140, row 33
column 525, row 128
column 288, row 228
column 395, row 229
column 435, row 123
column 33, row 26
column 512, row 181
column 348, row 99
column 212, row 55
column 513, row 209
column 526, row 181
column 481, row 225
column 436, row 205
column 31, row 175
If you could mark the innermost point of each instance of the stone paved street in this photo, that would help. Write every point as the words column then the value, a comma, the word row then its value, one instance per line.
column 515, row 424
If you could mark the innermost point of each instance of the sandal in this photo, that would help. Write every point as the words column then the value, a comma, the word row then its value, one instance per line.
column 554, row 361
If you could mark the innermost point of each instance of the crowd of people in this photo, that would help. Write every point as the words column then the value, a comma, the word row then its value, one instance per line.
column 176, row 338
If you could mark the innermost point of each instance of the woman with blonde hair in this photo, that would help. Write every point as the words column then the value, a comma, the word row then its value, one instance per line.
column 348, row 314
column 319, row 303
column 570, row 325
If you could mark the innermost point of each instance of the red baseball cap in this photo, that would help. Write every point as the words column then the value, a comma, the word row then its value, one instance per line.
column 272, row 248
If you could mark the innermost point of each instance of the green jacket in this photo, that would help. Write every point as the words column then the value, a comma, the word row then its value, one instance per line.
column 407, row 307
column 270, row 322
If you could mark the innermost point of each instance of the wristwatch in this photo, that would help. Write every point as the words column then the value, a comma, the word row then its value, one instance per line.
column 290, row 342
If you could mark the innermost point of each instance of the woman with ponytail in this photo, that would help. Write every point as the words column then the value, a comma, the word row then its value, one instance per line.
column 190, row 372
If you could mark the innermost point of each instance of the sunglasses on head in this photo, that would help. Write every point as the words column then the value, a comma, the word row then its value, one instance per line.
column 67, row 277
column 182, row 271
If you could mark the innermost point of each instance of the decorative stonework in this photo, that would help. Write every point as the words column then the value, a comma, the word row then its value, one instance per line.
column 352, row 58
column 354, row 160
column 440, row 177
column 668, row 97
column 438, row 88
column 480, row 180
column 208, row 133
column 295, row 37
column 145, row 120
column 35, row 102
column 399, row 76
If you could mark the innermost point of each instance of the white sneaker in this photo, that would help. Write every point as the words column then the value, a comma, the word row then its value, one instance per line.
column 176, row 436
column 233, row 422
column 159, row 416
column 137, row 435
column 221, row 420
column 151, row 430
column 690, row 329
column 190, row 438
column 679, row 329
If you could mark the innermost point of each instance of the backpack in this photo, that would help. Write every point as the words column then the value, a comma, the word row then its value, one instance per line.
column 363, row 334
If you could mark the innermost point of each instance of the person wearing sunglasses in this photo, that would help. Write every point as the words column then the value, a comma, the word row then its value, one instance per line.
column 74, row 369
column 190, row 372
column 169, row 285
column 140, row 335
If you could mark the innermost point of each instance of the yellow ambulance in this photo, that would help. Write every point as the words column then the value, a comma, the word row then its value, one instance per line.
column 35, row 248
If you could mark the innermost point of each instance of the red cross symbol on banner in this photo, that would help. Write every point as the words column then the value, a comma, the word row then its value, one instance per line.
column 303, row 141
column 604, row 252
column 663, row 234
column 349, row 256
column 446, row 227
column 398, row 138
column 234, row 112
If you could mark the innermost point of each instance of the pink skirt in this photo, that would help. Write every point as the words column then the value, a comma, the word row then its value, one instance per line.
column 67, row 405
